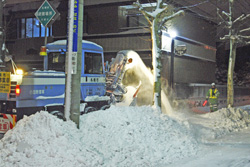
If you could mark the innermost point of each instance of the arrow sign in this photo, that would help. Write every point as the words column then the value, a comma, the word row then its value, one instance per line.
column 45, row 13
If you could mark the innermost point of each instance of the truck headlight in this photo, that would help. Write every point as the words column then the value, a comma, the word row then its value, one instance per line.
column 19, row 72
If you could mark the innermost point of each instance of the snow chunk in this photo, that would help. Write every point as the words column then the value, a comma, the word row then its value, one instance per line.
column 51, row 97
column 46, row 73
column 97, row 98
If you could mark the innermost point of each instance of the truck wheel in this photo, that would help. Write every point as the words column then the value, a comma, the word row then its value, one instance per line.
column 89, row 109
column 104, row 107
column 82, row 112
column 58, row 114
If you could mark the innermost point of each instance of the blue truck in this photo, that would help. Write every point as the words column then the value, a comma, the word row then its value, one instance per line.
column 45, row 90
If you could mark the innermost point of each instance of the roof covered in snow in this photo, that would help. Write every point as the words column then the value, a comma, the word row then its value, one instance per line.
column 86, row 45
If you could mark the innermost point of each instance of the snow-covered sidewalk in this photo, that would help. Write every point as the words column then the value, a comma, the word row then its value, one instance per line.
column 130, row 136
column 223, row 137
column 230, row 150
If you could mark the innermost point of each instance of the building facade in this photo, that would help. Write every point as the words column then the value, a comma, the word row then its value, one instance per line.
column 115, row 25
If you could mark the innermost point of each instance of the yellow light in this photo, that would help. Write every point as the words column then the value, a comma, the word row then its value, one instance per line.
column 19, row 72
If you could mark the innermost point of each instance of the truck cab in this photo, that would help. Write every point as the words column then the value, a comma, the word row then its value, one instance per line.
column 93, row 81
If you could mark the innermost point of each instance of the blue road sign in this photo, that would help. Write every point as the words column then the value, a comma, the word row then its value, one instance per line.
column 75, row 26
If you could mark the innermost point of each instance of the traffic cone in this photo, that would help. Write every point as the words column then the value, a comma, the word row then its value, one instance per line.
column 204, row 104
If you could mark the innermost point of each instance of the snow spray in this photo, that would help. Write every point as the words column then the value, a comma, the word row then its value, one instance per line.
column 137, row 72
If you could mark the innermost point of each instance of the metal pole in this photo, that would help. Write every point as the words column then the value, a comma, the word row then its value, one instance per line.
column 45, row 43
column 1, row 31
column 172, row 65
column 69, row 70
column 76, row 78
column 45, row 39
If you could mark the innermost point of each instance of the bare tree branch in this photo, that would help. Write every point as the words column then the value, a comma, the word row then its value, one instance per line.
column 191, row 6
column 226, row 14
column 247, row 16
column 159, row 3
column 226, row 37
column 157, row 11
column 244, row 37
column 244, row 30
column 223, row 20
column 238, row 19
column 165, row 19
column 146, row 15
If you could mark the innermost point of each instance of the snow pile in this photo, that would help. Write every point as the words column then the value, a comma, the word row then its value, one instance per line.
column 226, row 120
column 40, row 140
column 119, row 136
column 135, row 136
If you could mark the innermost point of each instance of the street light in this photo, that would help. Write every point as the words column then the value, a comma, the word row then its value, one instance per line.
column 172, row 34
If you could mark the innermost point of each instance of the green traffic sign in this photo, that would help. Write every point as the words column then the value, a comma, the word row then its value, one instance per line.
column 45, row 13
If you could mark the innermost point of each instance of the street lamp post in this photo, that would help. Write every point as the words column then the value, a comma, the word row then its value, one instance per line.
column 1, row 31
column 171, row 82
column 172, row 65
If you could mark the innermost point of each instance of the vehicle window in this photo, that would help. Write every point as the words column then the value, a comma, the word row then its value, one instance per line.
column 93, row 63
column 56, row 61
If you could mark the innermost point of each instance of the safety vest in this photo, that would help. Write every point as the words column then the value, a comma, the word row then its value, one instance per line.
column 211, row 93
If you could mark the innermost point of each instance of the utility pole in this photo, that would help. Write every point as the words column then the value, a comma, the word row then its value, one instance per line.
column 76, row 78
column 232, row 56
column 171, row 82
column 73, row 80
column 234, row 36
column 1, row 32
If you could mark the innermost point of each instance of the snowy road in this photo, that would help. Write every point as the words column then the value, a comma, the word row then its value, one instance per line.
column 224, row 138
column 230, row 150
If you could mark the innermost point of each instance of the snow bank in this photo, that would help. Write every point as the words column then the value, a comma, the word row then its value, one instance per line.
column 229, row 120
column 135, row 136
column 40, row 140
column 119, row 136
column 224, row 121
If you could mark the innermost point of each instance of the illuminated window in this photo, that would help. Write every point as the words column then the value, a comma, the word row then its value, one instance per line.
column 30, row 28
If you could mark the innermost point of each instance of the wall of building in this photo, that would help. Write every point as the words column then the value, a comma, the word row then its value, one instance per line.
column 193, row 27
column 101, row 19
column 106, row 25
